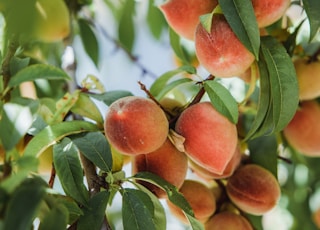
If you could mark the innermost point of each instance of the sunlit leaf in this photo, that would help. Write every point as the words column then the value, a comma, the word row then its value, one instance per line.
column 155, row 20
column 37, row 71
column 126, row 30
column 53, row 133
column 173, row 84
column 69, row 170
column 111, row 96
column 222, row 100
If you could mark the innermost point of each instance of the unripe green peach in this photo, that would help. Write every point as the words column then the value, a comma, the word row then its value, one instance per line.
column 200, row 198
column 210, row 138
column 166, row 162
column 136, row 125
column 269, row 11
column 228, row 171
column 183, row 15
column 227, row 221
column 308, row 74
column 253, row 189
column 303, row 131
column 220, row 51
column 52, row 20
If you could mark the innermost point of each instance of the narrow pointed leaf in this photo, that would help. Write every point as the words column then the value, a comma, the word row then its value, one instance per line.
column 312, row 8
column 55, row 219
column 111, row 96
column 222, row 100
column 94, row 213
column 126, row 30
column 69, row 170
column 137, row 210
column 241, row 18
column 37, row 71
column 53, row 133
column 171, row 86
column 95, row 147
column 283, row 82
column 89, row 40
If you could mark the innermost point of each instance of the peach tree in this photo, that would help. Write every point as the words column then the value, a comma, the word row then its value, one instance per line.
column 225, row 138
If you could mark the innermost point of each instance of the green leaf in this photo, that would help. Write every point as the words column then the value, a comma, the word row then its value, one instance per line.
column 155, row 20
column 95, row 147
column 16, row 64
column 283, row 82
column 241, row 18
column 137, row 210
column 264, row 152
column 171, row 86
column 176, row 45
column 222, row 100
column 126, row 31
column 38, row 71
column 69, row 170
column 74, row 211
column 63, row 106
column 173, row 195
column 312, row 8
column 89, row 40
column 206, row 21
column 162, row 81
column 159, row 215
column 55, row 219
column 21, row 168
column 109, row 97
column 23, row 204
column 53, row 133
column 85, row 107
column 94, row 213
column 15, row 121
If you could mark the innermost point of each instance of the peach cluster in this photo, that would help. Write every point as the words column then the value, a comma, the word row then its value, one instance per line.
column 213, row 49
column 139, row 127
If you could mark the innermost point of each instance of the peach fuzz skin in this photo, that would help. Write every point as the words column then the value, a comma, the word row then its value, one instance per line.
column 308, row 75
column 220, row 52
column 200, row 198
column 183, row 15
column 303, row 131
column 269, row 11
column 166, row 162
column 207, row 175
column 136, row 125
column 210, row 138
column 227, row 221
column 253, row 189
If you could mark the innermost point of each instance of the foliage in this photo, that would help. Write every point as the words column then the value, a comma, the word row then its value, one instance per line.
column 63, row 116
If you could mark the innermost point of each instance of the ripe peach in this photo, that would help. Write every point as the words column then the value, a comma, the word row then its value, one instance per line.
column 269, row 11
column 308, row 75
column 303, row 131
column 228, row 171
column 136, row 125
column 220, row 51
column 166, row 162
column 183, row 15
column 210, row 138
column 200, row 198
column 228, row 221
column 316, row 218
column 253, row 189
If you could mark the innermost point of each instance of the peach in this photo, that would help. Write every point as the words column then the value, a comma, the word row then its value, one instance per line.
column 253, row 189
column 136, row 125
column 303, row 131
column 166, row 162
column 316, row 217
column 228, row 221
column 228, row 171
column 308, row 74
column 200, row 198
column 221, row 52
column 269, row 11
column 210, row 138
column 183, row 15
